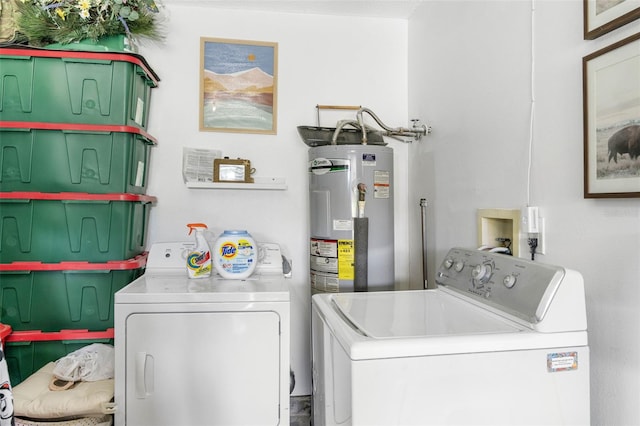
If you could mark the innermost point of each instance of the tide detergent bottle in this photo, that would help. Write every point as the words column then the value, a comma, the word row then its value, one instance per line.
column 235, row 254
column 199, row 258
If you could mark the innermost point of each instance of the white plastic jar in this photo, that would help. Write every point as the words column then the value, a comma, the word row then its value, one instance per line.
column 235, row 254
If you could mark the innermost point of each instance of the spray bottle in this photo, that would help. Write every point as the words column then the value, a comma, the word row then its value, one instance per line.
column 199, row 258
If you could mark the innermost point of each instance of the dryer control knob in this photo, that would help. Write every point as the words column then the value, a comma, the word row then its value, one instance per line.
column 459, row 266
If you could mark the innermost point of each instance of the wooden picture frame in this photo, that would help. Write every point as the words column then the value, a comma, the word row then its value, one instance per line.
column 238, row 86
column 603, row 16
column 611, row 108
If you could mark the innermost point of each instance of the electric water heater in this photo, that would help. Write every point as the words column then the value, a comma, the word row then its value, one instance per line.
column 348, row 183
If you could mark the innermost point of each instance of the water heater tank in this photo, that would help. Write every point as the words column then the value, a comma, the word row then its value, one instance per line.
column 335, row 171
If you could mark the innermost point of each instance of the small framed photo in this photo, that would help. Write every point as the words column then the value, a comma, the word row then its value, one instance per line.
column 611, row 108
column 227, row 170
column 238, row 86
column 603, row 16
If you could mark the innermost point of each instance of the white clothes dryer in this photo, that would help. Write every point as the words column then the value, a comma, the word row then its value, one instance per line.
column 501, row 341
column 206, row 351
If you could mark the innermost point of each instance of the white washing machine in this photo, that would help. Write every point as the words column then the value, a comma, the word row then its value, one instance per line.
column 195, row 352
column 501, row 341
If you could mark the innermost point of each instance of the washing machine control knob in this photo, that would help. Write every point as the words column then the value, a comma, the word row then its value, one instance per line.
column 448, row 263
column 509, row 281
column 459, row 266
column 482, row 272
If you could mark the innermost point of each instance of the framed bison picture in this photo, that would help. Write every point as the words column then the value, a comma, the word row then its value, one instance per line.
column 611, row 103
column 603, row 16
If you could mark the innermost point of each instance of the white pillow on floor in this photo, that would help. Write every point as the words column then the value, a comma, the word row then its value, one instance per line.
column 32, row 398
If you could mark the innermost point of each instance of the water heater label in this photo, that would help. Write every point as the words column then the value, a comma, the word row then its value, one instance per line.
column 332, row 258
column 345, row 260
column 324, row 282
column 321, row 166
column 563, row 361
column 368, row 159
column 381, row 184
column 324, row 256
column 324, row 264
column 324, row 248
column 342, row 224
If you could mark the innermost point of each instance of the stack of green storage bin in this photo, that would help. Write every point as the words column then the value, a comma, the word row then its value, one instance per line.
column 74, row 155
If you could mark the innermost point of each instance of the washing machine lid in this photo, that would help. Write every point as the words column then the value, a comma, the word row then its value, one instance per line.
column 171, row 288
column 403, row 324
column 401, row 314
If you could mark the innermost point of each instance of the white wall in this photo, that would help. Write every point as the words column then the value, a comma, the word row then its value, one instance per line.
column 469, row 75
column 322, row 60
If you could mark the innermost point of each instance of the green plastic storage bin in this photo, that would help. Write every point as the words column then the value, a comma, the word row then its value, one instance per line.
column 58, row 227
column 75, row 87
column 28, row 351
column 56, row 157
column 67, row 295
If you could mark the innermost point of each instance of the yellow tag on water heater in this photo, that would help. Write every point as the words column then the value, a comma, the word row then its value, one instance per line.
column 345, row 260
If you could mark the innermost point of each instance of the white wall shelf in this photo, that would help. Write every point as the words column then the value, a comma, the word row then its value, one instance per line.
column 262, row 183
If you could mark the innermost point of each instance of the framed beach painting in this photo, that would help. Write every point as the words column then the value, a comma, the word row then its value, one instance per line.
column 238, row 86
column 603, row 16
column 611, row 108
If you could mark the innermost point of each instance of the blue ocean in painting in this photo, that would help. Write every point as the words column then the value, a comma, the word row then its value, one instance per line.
column 237, row 114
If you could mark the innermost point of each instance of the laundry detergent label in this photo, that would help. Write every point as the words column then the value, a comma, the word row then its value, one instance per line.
column 197, row 261
column 228, row 250
column 236, row 258
column 562, row 361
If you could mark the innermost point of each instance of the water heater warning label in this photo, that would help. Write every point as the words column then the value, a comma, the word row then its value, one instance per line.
column 324, row 248
column 332, row 257
column 345, row 259
column 381, row 184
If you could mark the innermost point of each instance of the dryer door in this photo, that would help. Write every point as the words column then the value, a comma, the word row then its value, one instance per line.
column 196, row 368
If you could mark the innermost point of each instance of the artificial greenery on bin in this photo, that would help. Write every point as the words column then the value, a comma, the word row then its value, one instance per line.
column 42, row 22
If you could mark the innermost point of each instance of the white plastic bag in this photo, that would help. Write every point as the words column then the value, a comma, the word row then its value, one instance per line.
column 89, row 364
column 6, row 394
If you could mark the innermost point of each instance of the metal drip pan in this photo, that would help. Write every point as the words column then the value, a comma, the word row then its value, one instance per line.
column 318, row 136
